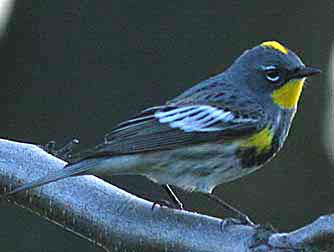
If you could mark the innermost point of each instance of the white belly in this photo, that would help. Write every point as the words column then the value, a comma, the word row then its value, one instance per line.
column 199, row 168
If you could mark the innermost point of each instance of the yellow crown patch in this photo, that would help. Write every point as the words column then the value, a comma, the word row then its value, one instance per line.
column 276, row 46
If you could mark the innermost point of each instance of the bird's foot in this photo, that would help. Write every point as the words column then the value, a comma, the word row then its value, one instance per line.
column 62, row 153
column 227, row 222
column 242, row 219
column 266, row 227
column 245, row 220
column 237, row 221
column 262, row 234
column 168, row 204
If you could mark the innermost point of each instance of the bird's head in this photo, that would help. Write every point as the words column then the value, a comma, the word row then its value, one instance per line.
column 273, row 73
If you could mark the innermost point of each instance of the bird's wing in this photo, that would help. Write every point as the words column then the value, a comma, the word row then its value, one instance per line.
column 167, row 127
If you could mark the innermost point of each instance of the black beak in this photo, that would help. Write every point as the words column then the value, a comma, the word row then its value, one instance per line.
column 303, row 72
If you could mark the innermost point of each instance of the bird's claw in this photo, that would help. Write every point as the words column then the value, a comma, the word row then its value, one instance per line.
column 242, row 220
column 62, row 153
column 245, row 220
column 166, row 203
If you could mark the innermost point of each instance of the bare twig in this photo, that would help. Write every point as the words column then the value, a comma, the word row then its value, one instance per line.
column 118, row 221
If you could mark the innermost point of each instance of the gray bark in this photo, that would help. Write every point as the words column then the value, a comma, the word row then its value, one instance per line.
column 118, row 221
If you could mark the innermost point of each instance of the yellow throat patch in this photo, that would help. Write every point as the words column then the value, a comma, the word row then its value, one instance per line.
column 288, row 95
column 261, row 140
column 276, row 46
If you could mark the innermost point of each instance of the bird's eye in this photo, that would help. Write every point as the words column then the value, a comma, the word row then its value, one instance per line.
column 272, row 74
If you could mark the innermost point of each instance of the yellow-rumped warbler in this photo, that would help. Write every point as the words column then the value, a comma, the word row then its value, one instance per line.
column 221, row 129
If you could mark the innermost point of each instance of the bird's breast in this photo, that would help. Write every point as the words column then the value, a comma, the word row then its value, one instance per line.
column 258, row 148
column 262, row 146
column 195, row 168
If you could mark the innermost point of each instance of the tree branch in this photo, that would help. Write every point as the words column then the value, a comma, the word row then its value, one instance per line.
column 118, row 221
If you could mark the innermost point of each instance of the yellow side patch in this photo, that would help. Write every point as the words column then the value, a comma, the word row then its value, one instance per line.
column 276, row 46
column 261, row 140
column 288, row 95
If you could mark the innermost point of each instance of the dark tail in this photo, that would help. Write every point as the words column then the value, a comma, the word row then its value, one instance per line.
column 68, row 171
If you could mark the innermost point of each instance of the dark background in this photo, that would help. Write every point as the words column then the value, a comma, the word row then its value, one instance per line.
column 76, row 68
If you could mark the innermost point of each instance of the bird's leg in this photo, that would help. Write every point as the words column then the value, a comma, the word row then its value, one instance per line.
column 176, row 202
column 62, row 153
column 243, row 217
column 173, row 196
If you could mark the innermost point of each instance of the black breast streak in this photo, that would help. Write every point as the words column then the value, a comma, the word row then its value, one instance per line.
column 250, row 158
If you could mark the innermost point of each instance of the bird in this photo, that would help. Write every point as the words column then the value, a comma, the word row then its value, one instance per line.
column 219, row 130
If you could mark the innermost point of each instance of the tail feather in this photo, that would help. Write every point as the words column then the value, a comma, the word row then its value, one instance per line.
column 67, row 171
